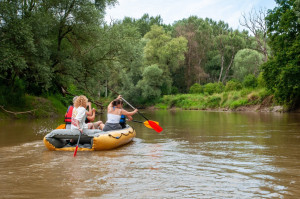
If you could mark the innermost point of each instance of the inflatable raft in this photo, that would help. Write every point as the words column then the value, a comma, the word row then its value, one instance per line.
column 90, row 140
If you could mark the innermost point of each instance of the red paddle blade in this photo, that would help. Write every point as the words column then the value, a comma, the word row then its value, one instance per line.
column 155, row 126
column 146, row 123
column 75, row 151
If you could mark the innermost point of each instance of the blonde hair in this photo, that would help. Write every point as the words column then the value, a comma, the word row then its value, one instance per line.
column 81, row 101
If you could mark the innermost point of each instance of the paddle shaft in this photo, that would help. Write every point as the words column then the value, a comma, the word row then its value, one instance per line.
column 134, row 108
column 75, row 152
column 128, row 103
column 153, row 125
column 136, row 121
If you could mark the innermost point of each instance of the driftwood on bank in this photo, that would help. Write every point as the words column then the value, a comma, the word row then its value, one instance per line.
column 17, row 113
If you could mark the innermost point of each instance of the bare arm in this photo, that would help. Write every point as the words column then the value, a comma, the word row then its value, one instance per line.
column 92, row 117
column 129, row 117
column 124, row 112
column 110, row 104
column 90, row 112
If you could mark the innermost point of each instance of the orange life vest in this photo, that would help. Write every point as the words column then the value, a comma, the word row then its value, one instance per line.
column 68, row 115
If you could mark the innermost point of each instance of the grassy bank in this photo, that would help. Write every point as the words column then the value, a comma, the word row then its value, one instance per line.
column 230, row 100
column 34, row 107
column 244, row 100
column 41, row 107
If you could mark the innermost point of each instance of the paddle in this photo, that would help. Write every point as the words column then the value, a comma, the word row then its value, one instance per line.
column 153, row 124
column 77, row 145
column 146, row 123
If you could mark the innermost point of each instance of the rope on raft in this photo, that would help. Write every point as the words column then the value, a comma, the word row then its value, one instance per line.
column 118, row 137
column 16, row 113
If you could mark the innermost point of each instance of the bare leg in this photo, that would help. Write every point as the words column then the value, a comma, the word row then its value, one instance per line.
column 102, row 126
column 90, row 126
column 97, row 124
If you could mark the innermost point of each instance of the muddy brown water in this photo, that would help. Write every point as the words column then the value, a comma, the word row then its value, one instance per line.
column 198, row 155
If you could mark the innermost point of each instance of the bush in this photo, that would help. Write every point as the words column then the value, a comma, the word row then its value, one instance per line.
column 250, row 81
column 237, row 103
column 233, row 85
column 13, row 95
column 211, row 88
column 260, row 80
column 213, row 101
column 253, row 98
column 196, row 89
column 174, row 90
column 246, row 91
column 263, row 93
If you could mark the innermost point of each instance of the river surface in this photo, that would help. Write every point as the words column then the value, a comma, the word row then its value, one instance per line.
column 198, row 155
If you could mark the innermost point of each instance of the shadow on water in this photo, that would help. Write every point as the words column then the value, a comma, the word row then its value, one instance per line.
column 198, row 155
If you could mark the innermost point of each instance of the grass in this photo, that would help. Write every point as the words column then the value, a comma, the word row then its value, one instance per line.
column 40, row 107
column 228, row 100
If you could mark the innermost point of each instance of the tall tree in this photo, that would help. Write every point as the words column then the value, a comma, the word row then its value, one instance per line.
column 166, row 52
column 144, row 23
column 42, row 38
column 198, row 34
column 282, row 71
column 255, row 21
column 228, row 45
column 246, row 61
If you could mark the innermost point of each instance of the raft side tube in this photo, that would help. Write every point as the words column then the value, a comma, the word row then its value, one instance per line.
column 90, row 139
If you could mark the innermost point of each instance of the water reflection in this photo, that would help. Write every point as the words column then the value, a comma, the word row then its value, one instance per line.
column 198, row 155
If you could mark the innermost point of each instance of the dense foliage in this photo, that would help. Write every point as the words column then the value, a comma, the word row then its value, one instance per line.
column 50, row 45
column 282, row 71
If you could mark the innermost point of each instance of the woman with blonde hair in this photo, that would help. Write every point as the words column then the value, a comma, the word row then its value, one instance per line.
column 80, row 113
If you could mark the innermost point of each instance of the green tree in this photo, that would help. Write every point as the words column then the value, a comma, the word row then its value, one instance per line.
column 282, row 72
column 225, row 44
column 196, row 88
column 211, row 88
column 228, row 45
column 232, row 85
column 250, row 81
column 144, row 23
column 166, row 52
column 199, row 36
column 41, row 40
column 246, row 61
column 151, row 83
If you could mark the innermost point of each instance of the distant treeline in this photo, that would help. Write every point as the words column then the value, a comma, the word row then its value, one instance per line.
column 49, row 45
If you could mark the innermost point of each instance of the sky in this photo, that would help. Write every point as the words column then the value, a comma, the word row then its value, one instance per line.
column 170, row 11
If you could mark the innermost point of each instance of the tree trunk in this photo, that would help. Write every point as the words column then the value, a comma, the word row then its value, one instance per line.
column 228, row 68
column 222, row 66
column 106, row 88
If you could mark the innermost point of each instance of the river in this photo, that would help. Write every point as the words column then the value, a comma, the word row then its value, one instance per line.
column 198, row 155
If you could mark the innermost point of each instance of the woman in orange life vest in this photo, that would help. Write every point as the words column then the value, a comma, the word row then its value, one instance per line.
column 89, row 118
column 114, row 112
column 68, row 115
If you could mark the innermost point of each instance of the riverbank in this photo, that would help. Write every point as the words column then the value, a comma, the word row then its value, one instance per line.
column 34, row 107
column 42, row 107
column 259, row 100
column 243, row 100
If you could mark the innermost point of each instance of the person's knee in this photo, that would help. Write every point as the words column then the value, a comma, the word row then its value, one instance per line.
column 90, row 126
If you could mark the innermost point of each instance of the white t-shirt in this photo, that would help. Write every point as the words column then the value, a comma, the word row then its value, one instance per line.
column 79, row 114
